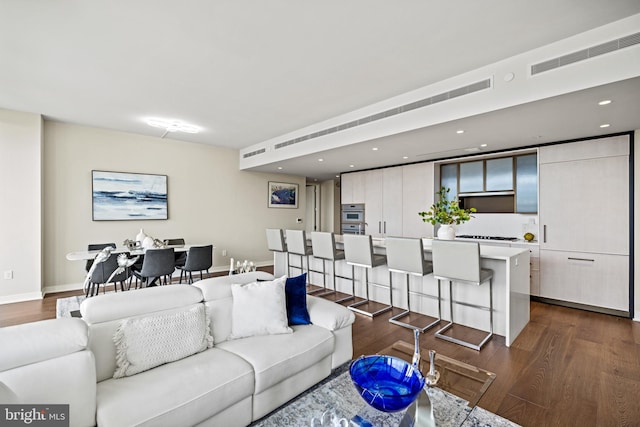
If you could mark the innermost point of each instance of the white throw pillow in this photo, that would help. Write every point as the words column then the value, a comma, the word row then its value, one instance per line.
column 259, row 309
column 146, row 342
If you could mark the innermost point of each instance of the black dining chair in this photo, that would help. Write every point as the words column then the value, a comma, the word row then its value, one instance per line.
column 102, row 276
column 96, row 247
column 158, row 266
column 180, row 257
column 199, row 258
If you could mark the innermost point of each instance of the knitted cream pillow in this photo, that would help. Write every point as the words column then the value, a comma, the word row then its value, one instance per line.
column 146, row 342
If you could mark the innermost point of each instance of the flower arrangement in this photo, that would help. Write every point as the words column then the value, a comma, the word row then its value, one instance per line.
column 446, row 212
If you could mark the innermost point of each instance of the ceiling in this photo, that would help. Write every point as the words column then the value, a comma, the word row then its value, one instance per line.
column 248, row 71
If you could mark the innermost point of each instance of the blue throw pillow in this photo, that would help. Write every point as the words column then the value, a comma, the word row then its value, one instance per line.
column 296, row 293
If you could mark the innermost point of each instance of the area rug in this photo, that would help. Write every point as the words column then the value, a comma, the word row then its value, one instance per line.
column 338, row 395
column 69, row 307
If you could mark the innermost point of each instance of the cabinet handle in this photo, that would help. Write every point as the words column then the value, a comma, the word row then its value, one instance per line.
column 385, row 227
column 379, row 226
column 581, row 259
column 544, row 233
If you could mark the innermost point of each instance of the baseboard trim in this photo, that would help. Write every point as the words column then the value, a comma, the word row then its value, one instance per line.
column 30, row 296
column 585, row 307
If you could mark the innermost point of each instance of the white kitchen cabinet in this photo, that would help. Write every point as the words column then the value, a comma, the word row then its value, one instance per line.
column 600, row 280
column 584, row 219
column 417, row 196
column 584, row 205
column 352, row 188
column 383, row 202
column 534, row 266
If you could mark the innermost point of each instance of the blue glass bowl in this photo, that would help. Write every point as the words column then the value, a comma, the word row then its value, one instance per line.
column 387, row 383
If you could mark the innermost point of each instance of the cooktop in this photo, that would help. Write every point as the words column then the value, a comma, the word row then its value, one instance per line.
column 471, row 236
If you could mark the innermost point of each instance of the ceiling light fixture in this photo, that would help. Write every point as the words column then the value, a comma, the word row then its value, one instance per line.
column 483, row 145
column 172, row 126
column 321, row 160
column 279, row 168
column 605, row 102
column 375, row 148
column 460, row 131
column 605, row 125
column 405, row 157
column 352, row 166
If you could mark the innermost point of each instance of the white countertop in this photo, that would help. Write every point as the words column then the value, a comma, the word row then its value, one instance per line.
column 487, row 251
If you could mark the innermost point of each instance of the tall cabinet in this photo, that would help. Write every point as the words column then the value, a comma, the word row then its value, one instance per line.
column 584, row 218
column 383, row 201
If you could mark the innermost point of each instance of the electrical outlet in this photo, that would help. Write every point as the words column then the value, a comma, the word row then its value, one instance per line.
column 8, row 275
column 299, row 220
column 224, row 252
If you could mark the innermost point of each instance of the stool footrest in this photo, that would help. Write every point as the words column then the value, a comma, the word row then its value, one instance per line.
column 395, row 320
column 354, row 307
column 440, row 334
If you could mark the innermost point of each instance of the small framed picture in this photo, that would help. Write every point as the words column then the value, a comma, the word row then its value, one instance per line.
column 283, row 195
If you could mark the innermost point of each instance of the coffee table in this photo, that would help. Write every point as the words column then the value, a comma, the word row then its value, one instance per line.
column 458, row 378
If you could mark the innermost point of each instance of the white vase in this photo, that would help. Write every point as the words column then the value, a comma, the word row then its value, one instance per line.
column 140, row 236
column 446, row 232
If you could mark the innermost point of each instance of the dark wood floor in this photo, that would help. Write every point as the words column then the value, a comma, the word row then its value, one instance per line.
column 567, row 368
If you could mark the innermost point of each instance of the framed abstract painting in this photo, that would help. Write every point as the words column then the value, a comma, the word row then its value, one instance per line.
column 119, row 196
column 283, row 195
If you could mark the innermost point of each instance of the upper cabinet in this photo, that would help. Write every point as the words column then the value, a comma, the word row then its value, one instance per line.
column 527, row 183
column 499, row 174
column 495, row 185
column 472, row 177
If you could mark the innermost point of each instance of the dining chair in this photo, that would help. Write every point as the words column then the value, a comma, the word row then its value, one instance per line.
column 158, row 265
column 102, row 276
column 96, row 247
column 459, row 262
column 180, row 257
column 199, row 258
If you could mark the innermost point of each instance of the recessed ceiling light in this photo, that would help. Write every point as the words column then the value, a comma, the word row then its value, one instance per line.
column 605, row 125
column 375, row 148
column 337, row 176
column 352, row 166
column 405, row 157
column 321, row 160
column 460, row 131
column 279, row 168
column 483, row 145
column 604, row 102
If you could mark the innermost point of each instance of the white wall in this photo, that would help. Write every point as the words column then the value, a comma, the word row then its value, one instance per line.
column 330, row 206
column 21, row 206
column 210, row 200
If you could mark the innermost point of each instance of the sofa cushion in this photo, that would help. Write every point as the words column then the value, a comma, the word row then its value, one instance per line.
column 146, row 342
column 277, row 357
column 37, row 341
column 185, row 392
column 259, row 308
column 296, row 293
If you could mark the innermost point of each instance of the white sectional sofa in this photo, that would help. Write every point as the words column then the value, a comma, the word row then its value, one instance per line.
column 233, row 383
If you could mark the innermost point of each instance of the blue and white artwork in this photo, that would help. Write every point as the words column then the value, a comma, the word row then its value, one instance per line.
column 283, row 195
column 129, row 196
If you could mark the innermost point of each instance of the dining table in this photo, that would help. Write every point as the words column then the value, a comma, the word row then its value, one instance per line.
column 87, row 255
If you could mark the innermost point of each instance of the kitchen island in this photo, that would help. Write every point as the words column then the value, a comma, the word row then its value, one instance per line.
column 510, row 287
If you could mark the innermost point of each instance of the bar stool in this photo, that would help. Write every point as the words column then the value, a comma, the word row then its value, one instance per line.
column 405, row 255
column 297, row 245
column 275, row 243
column 323, row 245
column 358, row 251
column 460, row 262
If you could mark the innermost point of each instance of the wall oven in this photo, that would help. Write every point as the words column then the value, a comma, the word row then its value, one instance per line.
column 353, row 213
column 352, row 219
